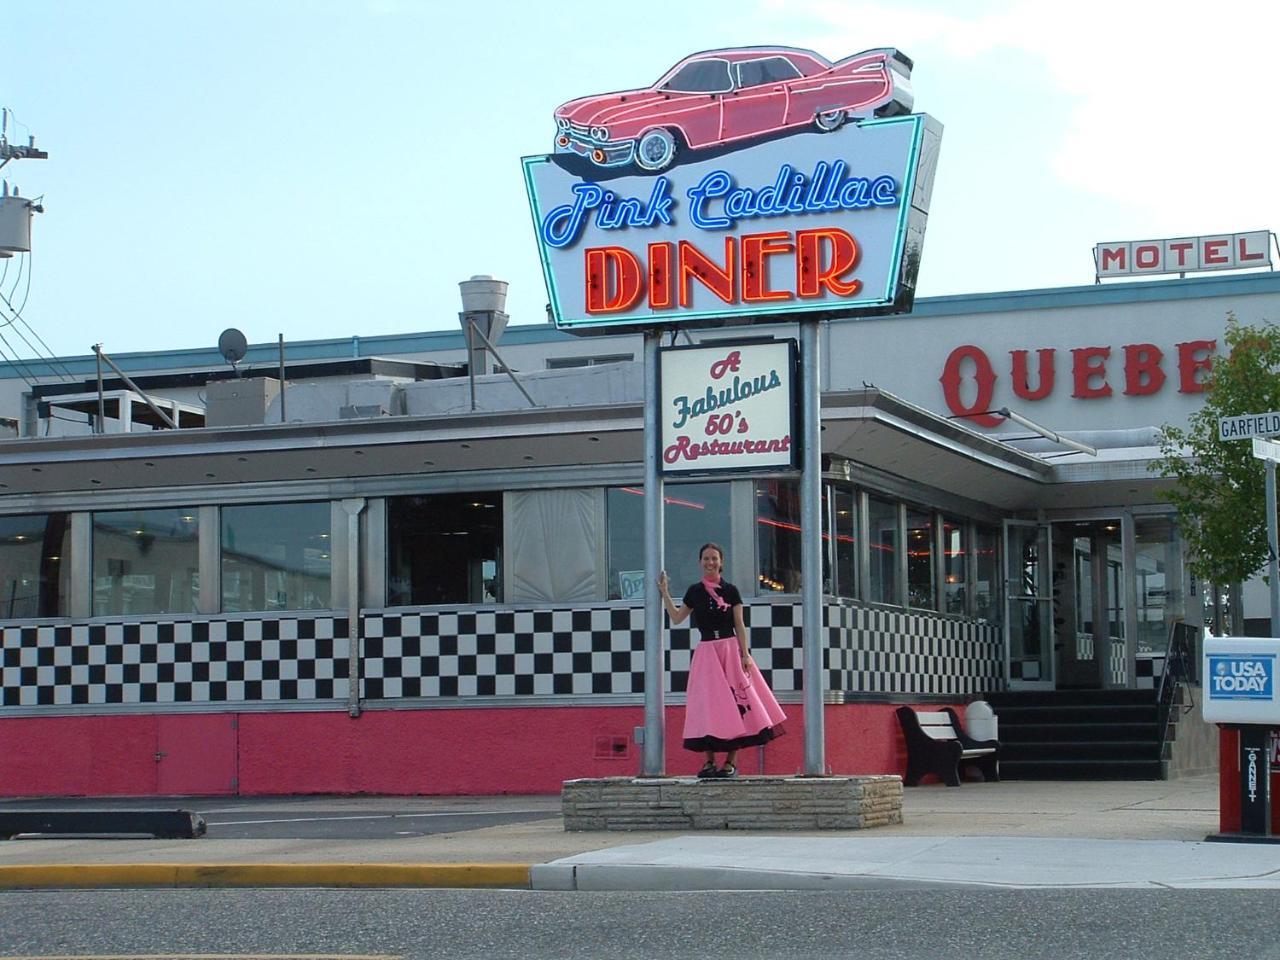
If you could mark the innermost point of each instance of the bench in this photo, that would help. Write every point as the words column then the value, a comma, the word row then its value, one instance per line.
column 937, row 743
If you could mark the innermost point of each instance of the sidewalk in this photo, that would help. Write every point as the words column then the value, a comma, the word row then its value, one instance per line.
column 1024, row 834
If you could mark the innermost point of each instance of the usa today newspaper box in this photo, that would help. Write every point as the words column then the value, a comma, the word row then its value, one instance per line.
column 1240, row 692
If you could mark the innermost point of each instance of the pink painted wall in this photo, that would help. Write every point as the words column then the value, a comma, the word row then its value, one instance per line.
column 527, row 750
column 77, row 756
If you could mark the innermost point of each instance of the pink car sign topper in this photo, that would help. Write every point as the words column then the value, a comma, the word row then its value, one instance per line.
column 759, row 184
column 722, row 97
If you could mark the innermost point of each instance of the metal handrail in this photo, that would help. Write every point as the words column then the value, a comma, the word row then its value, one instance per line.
column 1179, row 668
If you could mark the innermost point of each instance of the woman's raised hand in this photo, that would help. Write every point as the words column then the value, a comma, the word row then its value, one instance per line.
column 663, row 586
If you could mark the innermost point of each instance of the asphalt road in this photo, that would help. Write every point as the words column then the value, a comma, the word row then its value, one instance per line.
column 463, row 924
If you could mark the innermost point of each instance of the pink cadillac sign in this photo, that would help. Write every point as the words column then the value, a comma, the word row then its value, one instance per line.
column 757, row 184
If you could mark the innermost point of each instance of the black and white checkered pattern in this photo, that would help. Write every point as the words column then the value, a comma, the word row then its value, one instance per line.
column 886, row 651
column 174, row 662
column 421, row 655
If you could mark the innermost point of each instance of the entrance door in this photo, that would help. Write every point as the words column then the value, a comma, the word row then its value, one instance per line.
column 1089, row 613
column 1029, row 660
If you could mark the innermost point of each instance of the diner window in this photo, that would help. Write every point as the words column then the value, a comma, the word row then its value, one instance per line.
column 921, row 591
column 844, row 515
column 35, row 568
column 146, row 561
column 955, row 561
column 778, row 535
column 1158, row 570
column 882, row 530
column 444, row 548
column 694, row 514
column 276, row 556
column 986, row 574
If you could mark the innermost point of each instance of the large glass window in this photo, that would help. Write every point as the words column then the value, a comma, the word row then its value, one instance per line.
column 921, row 591
column 695, row 513
column 276, row 557
column 444, row 548
column 955, row 558
column 146, row 561
column 882, row 526
column 986, row 575
column 35, row 568
column 1158, row 568
column 843, row 500
column 778, row 535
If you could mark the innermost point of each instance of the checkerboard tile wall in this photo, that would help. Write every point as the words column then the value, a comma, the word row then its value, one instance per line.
column 179, row 662
column 886, row 651
column 426, row 654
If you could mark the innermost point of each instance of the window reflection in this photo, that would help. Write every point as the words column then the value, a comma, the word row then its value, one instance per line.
column 694, row 514
column 35, row 568
column 882, row 523
column 846, row 543
column 955, row 558
column 444, row 548
column 921, row 590
column 986, row 575
column 276, row 557
column 146, row 561
column 1158, row 570
column 778, row 535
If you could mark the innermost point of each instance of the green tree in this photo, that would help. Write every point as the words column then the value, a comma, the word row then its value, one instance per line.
column 1221, row 488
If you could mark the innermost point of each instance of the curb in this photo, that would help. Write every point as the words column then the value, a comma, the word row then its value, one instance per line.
column 507, row 875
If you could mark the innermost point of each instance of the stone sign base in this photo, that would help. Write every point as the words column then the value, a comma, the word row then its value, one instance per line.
column 744, row 803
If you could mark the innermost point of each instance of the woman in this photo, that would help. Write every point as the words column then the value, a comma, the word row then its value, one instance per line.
column 728, row 704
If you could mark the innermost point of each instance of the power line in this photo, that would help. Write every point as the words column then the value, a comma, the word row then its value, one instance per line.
column 54, row 362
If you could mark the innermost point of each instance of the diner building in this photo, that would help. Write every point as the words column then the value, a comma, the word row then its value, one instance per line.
column 364, row 571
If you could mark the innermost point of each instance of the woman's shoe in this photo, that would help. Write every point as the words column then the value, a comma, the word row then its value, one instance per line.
column 727, row 772
column 708, row 771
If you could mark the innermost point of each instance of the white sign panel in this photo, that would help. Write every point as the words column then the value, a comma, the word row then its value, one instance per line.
column 728, row 406
column 1222, row 251
column 1240, row 680
column 1248, row 425
column 1266, row 449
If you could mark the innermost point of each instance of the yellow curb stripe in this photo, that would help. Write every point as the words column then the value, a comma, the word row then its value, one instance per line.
column 267, row 875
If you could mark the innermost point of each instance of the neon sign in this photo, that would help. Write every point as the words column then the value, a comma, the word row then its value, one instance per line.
column 746, row 206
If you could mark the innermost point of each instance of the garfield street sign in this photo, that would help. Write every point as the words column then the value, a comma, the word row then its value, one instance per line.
column 1249, row 425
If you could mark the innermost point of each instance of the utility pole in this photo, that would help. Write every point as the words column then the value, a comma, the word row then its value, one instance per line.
column 9, row 151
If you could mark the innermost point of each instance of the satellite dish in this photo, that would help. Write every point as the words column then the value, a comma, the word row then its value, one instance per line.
column 232, row 345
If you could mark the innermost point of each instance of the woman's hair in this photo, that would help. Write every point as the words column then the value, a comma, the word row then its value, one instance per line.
column 713, row 546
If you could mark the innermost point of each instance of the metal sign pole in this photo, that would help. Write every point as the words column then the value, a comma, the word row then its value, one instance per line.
column 1271, row 548
column 654, row 672
column 815, row 761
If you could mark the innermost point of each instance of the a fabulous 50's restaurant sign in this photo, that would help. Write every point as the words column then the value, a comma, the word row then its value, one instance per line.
column 756, row 184
column 728, row 406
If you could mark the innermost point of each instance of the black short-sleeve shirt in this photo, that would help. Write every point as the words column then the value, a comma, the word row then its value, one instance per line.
column 707, row 615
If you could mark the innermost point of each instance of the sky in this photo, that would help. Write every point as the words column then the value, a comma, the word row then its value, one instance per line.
column 326, row 169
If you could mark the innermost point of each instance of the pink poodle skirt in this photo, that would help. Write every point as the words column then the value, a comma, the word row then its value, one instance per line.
column 727, row 708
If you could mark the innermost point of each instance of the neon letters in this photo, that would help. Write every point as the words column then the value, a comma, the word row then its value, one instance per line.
column 718, row 202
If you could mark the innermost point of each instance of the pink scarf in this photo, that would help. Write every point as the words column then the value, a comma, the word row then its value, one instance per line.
column 710, row 586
